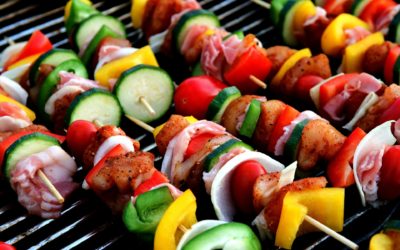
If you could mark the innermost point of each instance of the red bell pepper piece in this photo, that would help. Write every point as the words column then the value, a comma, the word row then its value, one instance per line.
column 337, row 7
column 339, row 171
column 392, row 113
column 374, row 9
column 156, row 179
column 284, row 119
column 38, row 43
column 333, row 87
column 6, row 143
column 115, row 151
column 197, row 143
column 391, row 59
column 251, row 62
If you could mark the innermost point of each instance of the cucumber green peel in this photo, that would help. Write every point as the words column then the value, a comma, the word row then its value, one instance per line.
column 231, row 235
column 250, row 121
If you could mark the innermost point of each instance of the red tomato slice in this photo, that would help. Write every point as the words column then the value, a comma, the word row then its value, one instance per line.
column 284, row 119
column 390, row 61
column 197, row 143
column 251, row 62
column 117, row 150
column 79, row 135
column 374, row 9
column 305, row 84
column 333, row 87
column 243, row 178
column 389, row 183
column 339, row 171
column 6, row 143
column 392, row 113
column 38, row 43
column 9, row 109
column 156, row 179
column 194, row 95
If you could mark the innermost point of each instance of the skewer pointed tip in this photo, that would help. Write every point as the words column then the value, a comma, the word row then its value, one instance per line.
column 50, row 186
column 257, row 81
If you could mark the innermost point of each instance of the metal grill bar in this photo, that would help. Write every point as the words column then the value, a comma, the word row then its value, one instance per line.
column 86, row 222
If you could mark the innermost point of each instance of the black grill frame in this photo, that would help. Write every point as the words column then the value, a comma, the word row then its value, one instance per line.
column 86, row 223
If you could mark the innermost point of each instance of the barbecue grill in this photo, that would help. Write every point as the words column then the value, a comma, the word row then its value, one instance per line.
column 85, row 222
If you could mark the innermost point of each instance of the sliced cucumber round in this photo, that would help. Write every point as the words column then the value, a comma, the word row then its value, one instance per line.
column 286, row 22
column 239, row 34
column 104, row 32
column 394, row 29
column 220, row 102
column 93, row 24
column 358, row 6
column 145, row 83
column 79, row 11
column 95, row 105
column 51, row 81
column 292, row 144
column 276, row 9
column 53, row 57
column 24, row 147
column 214, row 156
column 190, row 18
column 392, row 225
column 250, row 120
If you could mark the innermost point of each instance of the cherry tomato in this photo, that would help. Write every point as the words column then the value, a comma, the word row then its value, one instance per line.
column 194, row 95
column 389, row 183
column 5, row 246
column 243, row 178
column 79, row 135
column 305, row 83
column 197, row 143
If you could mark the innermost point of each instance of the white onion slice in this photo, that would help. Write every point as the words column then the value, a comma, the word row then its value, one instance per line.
column 221, row 197
column 374, row 140
column 368, row 101
column 110, row 143
column 13, row 89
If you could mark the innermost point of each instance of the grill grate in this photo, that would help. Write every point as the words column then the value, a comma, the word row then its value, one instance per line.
column 85, row 222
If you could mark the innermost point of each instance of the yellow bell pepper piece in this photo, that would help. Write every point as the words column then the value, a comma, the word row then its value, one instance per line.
column 137, row 12
column 325, row 205
column 181, row 212
column 68, row 8
column 305, row 10
column 354, row 54
column 115, row 68
column 26, row 60
column 289, row 64
column 381, row 241
column 334, row 39
column 31, row 115
column 157, row 130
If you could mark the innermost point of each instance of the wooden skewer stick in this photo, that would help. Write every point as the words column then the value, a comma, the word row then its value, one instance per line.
column 258, row 81
column 183, row 228
column 147, row 105
column 98, row 123
column 9, row 40
column 50, row 186
column 140, row 123
column 262, row 4
column 330, row 232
